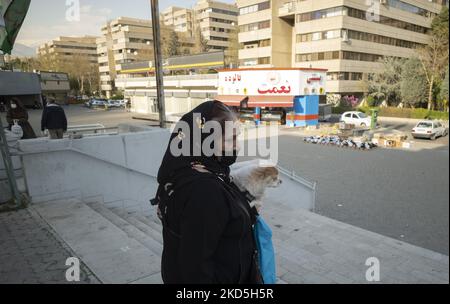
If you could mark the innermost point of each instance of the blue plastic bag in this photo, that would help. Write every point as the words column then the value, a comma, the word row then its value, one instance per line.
column 263, row 237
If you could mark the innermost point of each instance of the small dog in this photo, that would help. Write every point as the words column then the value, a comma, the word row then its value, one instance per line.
column 255, row 177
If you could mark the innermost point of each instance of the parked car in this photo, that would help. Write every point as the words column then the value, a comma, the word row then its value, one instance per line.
column 358, row 119
column 113, row 103
column 122, row 103
column 96, row 103
column 429, row 129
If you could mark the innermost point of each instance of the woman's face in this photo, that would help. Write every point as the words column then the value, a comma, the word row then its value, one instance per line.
column 229, row 141
column 13, row 105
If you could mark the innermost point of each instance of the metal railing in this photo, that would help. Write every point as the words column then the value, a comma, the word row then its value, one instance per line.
column 94, row 129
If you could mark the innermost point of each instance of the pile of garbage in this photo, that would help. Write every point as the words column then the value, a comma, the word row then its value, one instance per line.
column 340, row 142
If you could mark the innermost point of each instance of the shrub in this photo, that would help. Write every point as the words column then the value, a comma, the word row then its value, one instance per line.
column 407, row 113
column 371, row 101
column 117, row 97
column 341, row 109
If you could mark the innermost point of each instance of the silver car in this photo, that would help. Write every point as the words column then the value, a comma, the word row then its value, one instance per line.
column 429, row 129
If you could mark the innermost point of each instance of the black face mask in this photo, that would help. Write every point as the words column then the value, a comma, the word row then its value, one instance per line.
column 228, row 160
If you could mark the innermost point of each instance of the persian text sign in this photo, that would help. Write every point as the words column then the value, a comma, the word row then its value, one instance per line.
column 260, row 82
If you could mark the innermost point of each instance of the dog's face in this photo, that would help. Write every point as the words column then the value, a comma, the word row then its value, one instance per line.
column 268, row 176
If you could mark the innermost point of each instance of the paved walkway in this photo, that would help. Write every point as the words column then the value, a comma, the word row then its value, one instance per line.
column 30, row 253
column 315, row 249
column 310, row 248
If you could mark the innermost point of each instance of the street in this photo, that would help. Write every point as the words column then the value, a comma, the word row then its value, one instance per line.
column 398, row 193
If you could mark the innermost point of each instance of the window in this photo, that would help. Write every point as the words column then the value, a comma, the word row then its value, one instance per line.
column 254, row 26
column 254, row 8
column 360, row 14
column 264, row 60
column 362, row 115
column 333, row 55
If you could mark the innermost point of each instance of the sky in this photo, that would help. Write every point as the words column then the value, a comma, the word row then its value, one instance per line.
column 46, row 19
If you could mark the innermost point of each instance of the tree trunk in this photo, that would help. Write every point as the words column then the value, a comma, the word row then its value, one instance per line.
column 430, row 94
column 82, row 85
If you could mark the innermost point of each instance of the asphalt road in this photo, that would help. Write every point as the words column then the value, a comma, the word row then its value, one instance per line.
column 397, row 193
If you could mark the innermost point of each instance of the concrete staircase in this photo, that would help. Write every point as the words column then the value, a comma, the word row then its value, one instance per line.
column 120, row 246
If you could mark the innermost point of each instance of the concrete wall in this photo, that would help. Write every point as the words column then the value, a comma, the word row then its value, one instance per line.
column 120, row 169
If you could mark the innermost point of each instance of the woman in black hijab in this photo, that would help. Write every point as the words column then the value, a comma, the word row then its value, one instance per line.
column 17, row 111
column 208, row 237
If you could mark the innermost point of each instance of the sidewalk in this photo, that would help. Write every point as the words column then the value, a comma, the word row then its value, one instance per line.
column 310, row 249
column 31, row 254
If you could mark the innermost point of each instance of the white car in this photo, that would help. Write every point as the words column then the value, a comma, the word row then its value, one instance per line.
column 358, row 119
column 429, row 129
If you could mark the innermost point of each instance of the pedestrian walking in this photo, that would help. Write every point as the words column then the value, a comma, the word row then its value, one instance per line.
column 54, row 120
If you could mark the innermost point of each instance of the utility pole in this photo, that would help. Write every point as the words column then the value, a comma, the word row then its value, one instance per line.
column 158, row 63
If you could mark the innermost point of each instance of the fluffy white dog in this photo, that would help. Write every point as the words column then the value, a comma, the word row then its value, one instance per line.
column 255, row 177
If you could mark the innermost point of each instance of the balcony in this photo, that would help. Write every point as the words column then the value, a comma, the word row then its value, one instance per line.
column 288, row 9
column 256, row 52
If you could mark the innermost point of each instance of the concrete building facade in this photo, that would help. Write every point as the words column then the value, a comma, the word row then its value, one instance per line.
column 70, row 50
column 180, row 19
column 123, row 40
column 55, row 85
column 218, row 23
column 127, row 40
column 347, row 37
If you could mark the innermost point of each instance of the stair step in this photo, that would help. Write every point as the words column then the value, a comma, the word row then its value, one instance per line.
column 140, row 224
column 151, row 221
column 113, row 256
column 128, row 228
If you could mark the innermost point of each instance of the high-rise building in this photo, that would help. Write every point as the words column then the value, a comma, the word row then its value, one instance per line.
column 347, row 37
column 123, row 40
column 70, row 50
column 180, row 19
column 127, row 40
column 218, row 23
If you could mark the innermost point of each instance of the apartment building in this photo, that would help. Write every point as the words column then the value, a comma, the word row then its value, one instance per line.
column 70, row 50
column 126, row 40
column 218, row 23
column 123, row 40
column 180, row 19
column 347, row 37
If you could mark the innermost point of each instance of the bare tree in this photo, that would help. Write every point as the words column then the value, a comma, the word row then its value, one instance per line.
column 434, row 56
column 434, row 59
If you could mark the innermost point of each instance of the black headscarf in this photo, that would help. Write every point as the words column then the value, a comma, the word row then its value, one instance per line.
column 174, row 168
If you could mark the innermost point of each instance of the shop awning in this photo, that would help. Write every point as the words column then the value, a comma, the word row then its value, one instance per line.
column 257, row 101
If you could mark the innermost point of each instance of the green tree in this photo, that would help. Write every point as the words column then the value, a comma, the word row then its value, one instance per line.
column 413, row 83
column 173, row 45
column 385, row 85
column 444, row 91
column 434, row 55
column 201, row 44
